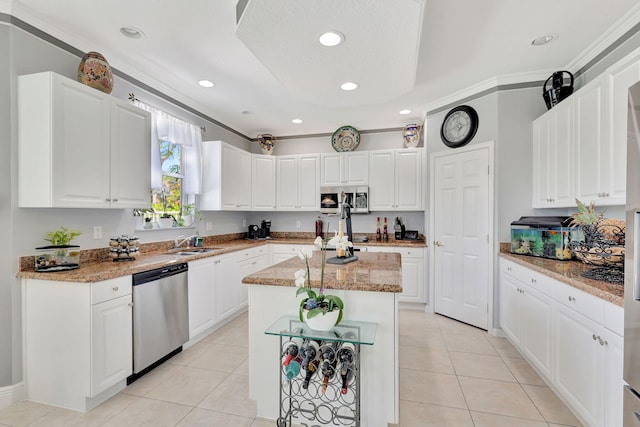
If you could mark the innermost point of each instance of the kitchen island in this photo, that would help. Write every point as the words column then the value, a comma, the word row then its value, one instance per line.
column 369, row 288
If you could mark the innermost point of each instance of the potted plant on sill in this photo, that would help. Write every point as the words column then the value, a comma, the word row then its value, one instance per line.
column 189, row 214
column 61, row 254
column 166, row 220
column 320, row 311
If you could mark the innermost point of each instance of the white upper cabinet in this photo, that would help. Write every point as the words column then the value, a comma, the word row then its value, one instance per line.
column 226, row 177
column 263, row 177
column 593, row 154
column 79, row 147
column 395, row 180
column 298, row 182
column 619, row 78
column 553, row 164
column 344, row 169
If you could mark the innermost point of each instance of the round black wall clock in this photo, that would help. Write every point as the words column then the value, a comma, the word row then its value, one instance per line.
column 459, row 126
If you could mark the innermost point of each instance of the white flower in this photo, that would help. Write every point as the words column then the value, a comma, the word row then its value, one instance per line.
column 340, row 242
column 301, row 277
column 305, row 253
column 318, row 242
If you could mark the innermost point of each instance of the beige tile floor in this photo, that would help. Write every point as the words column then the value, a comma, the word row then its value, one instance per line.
column 451, row 375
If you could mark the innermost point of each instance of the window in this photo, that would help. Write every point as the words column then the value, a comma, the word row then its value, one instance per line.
column 167, row 200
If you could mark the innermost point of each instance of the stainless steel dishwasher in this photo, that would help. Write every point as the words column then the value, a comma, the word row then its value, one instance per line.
column 160, row 316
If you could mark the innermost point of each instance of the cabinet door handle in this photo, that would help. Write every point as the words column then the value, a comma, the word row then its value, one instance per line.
column 594, row 337
column 114, row 200
column 602, row 342
column 130, row 304
column 571, row 299
column 115, row 289
column 534, row 281
column 107, row 200
column 438, row 243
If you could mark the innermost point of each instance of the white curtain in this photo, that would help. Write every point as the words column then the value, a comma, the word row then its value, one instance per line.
column 165, row 127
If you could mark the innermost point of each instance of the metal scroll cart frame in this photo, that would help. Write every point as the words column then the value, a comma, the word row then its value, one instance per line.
column 311, row 407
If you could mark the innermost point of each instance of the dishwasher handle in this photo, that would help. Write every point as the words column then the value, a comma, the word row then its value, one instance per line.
column 159, row 273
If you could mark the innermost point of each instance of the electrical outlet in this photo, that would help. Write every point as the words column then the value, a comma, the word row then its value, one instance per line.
column 97, row 232
column 244, row 223
column 209, row 226
column 297, row 224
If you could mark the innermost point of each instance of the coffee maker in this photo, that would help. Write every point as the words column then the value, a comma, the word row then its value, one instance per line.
column 265, row 229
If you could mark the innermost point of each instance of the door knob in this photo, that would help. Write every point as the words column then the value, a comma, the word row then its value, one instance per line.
column 438, row 243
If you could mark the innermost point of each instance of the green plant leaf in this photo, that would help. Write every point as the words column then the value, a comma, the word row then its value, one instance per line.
column 335, row 300
column 301, row 290
column 314, row 312
column 339, row 318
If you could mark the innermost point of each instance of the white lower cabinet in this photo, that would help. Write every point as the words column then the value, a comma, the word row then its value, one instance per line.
column 283, row 252
column 566, row 335
column 413, row 265
column 249, row 261
column 202, row 299
column 224, row 282
column 79, row 335
column 526, row 316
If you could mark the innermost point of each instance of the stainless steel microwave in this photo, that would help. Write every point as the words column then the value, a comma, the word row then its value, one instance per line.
column 332, row 198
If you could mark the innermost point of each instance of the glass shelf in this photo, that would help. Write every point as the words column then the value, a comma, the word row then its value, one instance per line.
column 346, row 331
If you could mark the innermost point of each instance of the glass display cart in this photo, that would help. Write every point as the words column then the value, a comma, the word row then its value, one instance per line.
column 320, row 372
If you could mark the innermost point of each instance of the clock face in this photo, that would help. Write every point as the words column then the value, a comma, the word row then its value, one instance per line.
column 459, row 126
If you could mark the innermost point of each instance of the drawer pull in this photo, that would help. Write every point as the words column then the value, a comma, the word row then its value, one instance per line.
column 115, row 289
column 533, row 281
column 571, row 299
column 594, row 337
column 130, row 304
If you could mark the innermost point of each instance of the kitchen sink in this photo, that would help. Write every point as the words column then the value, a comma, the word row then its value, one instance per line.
column 192, row 251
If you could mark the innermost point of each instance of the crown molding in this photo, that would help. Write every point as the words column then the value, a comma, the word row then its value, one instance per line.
column 488, row 86
column 5, row 6
column 609, row 38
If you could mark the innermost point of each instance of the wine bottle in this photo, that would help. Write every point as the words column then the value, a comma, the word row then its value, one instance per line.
column 385, row 235
column 378, row 235
column 292, row 369
column 310, row 369
column 310, row 351
column 290, row 350
column 328, row 370
column 328, row 351
column 346, row 362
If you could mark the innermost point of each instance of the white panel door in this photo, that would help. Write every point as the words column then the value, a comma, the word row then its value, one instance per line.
column 461, row 233
column 226, row 275
column 229, row 167
column 356, row 168
column 620, row 78
column 536, row 316
column 381, row 180
column 82, row 146
column 542, row 161
column 263, row 189
column 130, row 156
column 561, row 152
column 331, row 169
column 591, row 148
column 202, row 300
column 309, row 182
column 287, row 182
column 408, row 179
column 243, row 177
column 111, row 343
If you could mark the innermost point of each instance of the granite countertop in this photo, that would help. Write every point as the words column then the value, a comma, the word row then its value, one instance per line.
column 372, row 272
column 96, row 266
column 570, row 272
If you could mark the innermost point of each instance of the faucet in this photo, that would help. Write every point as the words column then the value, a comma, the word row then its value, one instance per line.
column 177, row 243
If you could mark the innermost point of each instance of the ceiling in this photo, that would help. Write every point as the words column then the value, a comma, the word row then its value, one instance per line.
column 270, row 69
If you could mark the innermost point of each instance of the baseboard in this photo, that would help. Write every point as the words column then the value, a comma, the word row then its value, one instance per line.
column 12, row 394
column 497, row 332
column 404, row 305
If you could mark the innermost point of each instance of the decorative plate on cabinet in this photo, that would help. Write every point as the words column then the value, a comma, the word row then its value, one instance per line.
column 345, row 138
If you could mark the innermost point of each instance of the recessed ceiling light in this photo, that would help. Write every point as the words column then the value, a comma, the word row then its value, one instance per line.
column 296, row 121
column 349, row 86
column 245, row 112
column 544, row 39
column 403, row 112
column 206, row 83
column 131, row 32
column 331, row 38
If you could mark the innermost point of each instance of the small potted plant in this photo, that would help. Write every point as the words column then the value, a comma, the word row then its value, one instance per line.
column 166, row 220
column 320, row 311
column 189, row 214
column 61, row 254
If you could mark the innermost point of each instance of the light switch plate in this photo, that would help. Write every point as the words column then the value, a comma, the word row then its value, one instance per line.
column 97, row 232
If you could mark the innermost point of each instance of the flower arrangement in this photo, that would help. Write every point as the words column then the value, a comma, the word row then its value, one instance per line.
column 318, row 302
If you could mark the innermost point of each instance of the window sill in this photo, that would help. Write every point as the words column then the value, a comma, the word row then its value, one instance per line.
column 188, row 227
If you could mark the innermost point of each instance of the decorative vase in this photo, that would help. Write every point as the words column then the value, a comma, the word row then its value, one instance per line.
column 187, row 220
column 267, row 142
column 94, row 71
column 321, row 322
column 411, row 135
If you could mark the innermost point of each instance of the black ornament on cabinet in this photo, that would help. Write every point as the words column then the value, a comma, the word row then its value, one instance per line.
column 459, row 126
